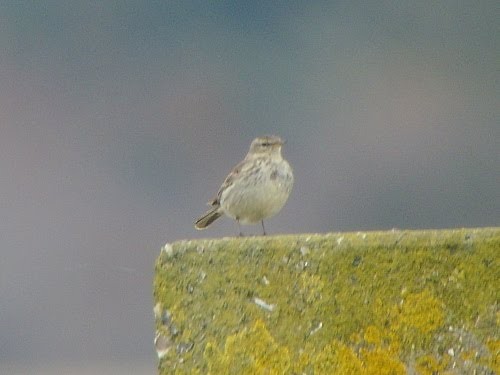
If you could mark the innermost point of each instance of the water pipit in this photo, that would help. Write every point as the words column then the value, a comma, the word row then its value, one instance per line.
column 257, row 188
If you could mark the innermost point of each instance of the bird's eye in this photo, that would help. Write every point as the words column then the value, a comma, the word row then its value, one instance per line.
column 265, row 144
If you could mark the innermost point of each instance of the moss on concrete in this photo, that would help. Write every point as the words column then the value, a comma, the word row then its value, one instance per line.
column 421, row 302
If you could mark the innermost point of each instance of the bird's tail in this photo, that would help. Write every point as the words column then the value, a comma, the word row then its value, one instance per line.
column 208, row 218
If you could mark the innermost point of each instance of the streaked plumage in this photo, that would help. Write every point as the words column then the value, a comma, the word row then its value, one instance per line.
column 257, row 188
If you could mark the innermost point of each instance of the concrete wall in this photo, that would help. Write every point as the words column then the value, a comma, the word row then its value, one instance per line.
column 397, row 302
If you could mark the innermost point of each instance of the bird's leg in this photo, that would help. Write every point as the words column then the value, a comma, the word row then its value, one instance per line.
column 263, row 229
column 239, row 227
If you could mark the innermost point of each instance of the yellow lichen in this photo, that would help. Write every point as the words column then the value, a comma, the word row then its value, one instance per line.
column 421, row 311
column 416, row 317
column 494, row 349
column 372, row 335
column 252, row 351
column 337, row 358
column 381, row 362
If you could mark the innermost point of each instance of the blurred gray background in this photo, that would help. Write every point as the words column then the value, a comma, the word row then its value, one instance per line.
column 120, row 119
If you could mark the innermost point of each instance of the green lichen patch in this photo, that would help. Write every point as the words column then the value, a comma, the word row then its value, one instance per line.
column 407, row 301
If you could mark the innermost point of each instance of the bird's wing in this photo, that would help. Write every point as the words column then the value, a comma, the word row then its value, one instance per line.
column 242, row 168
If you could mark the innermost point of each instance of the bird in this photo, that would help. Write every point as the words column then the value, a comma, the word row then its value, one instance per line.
column 255, row 189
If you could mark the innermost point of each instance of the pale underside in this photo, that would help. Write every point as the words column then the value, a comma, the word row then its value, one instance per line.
column 255, row 195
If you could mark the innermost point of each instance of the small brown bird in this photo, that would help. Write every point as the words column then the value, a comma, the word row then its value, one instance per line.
column 257, row 188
